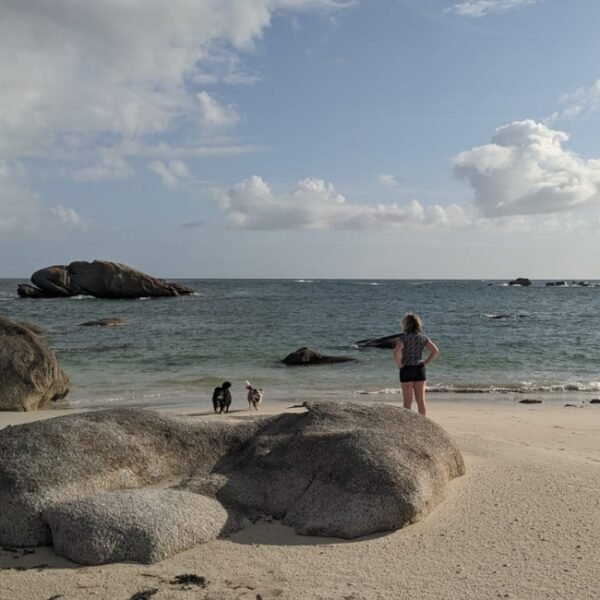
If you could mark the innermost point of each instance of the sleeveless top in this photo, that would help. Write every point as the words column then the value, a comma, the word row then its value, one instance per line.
column 414, row 344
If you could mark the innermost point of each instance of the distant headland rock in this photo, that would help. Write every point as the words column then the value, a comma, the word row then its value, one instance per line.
column 30, row 377
column 100, row 278
column 307, row 356
column 522, row 281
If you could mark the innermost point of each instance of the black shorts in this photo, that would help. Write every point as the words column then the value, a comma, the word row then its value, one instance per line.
column 412, row 373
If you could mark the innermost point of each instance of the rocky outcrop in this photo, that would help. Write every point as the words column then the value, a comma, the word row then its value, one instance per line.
column 100, row 278
column 30, row 377
column 522, row 281
column 388, row 342
column 104, row 323
column 339, row 469
column 307, row 356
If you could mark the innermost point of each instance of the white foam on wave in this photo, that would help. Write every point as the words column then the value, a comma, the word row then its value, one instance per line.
column 503, row 316
column 82, row 297
column 518, row 388
column 384, row 392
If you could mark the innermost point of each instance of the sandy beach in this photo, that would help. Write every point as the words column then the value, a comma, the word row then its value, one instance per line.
column 522, row 523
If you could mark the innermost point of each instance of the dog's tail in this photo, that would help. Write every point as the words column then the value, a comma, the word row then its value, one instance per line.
column 248, row 385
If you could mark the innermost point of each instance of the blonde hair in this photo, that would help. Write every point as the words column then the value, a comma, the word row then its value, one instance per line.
column 411, row 323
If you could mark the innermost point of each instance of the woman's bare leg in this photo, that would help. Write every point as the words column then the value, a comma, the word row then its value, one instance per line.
column 407, row 393
column 419, row 387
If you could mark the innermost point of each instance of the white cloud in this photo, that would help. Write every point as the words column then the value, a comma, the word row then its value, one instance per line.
column 214, row 115
column 218, row 147
column 481, row 8
column 526, row 170
column 68, row 217
column 80, row 71
column 391, row 181
column 583, row 103
column 108, row 168
column 171, row 173
column 22, row 215
column 315, row 204
column 224, row 66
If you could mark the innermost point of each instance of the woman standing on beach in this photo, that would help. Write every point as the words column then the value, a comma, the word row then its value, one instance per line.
column 408, row 355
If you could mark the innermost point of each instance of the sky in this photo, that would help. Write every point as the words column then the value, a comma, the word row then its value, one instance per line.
column 302, row 138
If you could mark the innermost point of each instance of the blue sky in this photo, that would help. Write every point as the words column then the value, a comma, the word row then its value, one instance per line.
column 302, row 138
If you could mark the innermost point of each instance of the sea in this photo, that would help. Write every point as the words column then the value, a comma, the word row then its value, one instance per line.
column 497, row 342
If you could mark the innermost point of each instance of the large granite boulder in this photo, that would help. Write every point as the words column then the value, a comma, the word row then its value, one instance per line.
column 388, row 342
column 339, row 469
column 342, row 469
column 30, row 377
column 307, row 356
column 48, row 462
column 144, row 525
column 100, row 278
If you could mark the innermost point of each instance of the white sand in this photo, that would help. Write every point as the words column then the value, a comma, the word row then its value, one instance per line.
column 523, row 523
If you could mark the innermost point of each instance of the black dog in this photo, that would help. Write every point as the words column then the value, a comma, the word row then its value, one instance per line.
column 222, row 397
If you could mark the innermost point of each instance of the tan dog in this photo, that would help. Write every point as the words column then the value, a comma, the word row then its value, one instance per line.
column 255, row 396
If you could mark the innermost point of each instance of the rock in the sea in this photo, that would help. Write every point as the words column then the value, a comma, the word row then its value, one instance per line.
column 340, row 469
column 308, row 356
column 388, row 341
column 100, row 278
column 143, row 525
column 30, row 377
column 522, row 281
column 556, row 284
column 104, row 323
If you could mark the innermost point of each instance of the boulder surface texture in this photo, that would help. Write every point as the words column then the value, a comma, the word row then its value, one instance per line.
column 308, row 356
column 76, row 456
column 100, row 278
column 145, row 525
column 339, row 469
column 30, row 376
column 343, row 469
